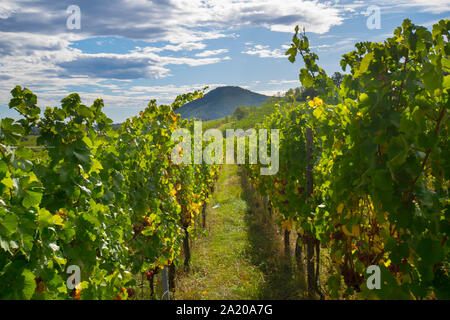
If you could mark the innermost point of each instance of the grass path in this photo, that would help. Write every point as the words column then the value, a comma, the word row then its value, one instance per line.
column 241, row 255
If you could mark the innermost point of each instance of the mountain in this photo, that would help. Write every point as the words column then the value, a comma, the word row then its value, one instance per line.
column 220, row 102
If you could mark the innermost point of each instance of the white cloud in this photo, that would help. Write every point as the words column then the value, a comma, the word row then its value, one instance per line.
column 35, row 46
column 184, row 46
column 169, row 92
column 47, row 57
column 176, row 20
column 208, row 53
column 338, row 46
column 7, row 9
column 138, row 63
column 432, row 6
column 264, row 52
column 282, row 82
column 270, row 92
column 320, row 46
column 396, row 6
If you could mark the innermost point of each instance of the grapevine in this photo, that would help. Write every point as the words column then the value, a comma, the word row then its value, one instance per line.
column 109, row 201
column 381, row 163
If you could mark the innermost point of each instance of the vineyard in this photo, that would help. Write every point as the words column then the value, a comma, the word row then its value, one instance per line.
column 364, row 168
column 110, row 202
column 363, row 179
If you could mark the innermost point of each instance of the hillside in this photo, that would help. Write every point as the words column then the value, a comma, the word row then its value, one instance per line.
column 221, row 102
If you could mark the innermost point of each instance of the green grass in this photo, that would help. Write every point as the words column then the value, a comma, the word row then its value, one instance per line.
column 212, row 124
column 282, row 279
column 241, row 256
column 219, row 268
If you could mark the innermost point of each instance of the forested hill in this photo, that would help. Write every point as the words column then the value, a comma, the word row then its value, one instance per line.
column 221, row 102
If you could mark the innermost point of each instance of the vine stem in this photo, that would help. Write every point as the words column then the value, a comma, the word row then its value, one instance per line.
column 425, row 160
column 403, row 81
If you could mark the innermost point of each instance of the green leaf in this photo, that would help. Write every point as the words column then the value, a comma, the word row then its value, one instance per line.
column 382, row 180
column 365, row 63
column 306, row 79
column 291, row 52
column 10, row 222
column 31, row 199
column 431, row 78
column 8, row 182
column 148, row 231
column 82, row 157
column 318, row 112
column 91, row 218
column 85, row 112
column 430, row 251
column 25, row 153
column 446, row 83
column 45, row 218
column 334, row 285
column 29, row 284
column 397, row 151
column 88, row 142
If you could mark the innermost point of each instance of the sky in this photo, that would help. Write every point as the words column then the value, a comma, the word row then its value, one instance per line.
column 128, row 52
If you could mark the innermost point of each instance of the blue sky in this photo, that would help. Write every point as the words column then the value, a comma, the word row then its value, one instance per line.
column 130, row 51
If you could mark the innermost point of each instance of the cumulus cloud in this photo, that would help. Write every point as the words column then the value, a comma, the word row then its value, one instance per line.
column 172, row 20
column 139, row 63
column 264, row 52
column 35, row 42
column 7, row 9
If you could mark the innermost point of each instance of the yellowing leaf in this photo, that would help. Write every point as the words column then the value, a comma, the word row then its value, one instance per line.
column 355, row 230
column 174, row 117
column 57, row 220
column 287, row 224
column 318, row 101
column 346, row 232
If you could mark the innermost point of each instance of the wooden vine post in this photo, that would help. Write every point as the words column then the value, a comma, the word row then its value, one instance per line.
column 165, row 284
column 312, row 244
column 287, row 244
column 171, row 276
column 298, row 252
column 204, row 216
column 308, row 238
column 186, row 248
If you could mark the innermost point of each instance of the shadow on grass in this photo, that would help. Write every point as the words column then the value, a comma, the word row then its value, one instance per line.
column 283, row 281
